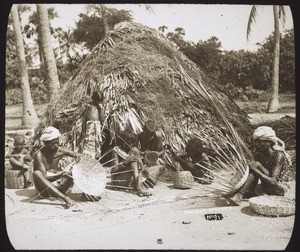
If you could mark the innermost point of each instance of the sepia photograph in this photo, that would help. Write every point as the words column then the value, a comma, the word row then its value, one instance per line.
column 149, row 126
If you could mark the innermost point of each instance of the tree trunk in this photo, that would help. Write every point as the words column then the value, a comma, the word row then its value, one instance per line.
column 274, row 105
column 29, row 116
column 104, row 17
column 50, row 63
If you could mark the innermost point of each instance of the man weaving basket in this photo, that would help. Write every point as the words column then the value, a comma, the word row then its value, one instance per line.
column 48, row 180
column 131, row 169
column 150, row 143
column 195, row 160
column 271, row 165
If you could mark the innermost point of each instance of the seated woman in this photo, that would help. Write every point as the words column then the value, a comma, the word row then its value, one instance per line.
column 271, row 165
column 20, row 159
column 195, row 160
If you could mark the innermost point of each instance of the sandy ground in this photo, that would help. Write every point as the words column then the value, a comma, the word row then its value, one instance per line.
column 122, row 220
column 170, row 219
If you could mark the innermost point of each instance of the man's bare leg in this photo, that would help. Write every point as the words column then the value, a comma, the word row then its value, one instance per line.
column 137, row 185
column 42, row 184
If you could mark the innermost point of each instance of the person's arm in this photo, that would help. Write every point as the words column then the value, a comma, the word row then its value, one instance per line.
column 84, row 122
column 10, row 155
column 70, row 153
column 160, row 147
column 205, row 161
column 137, row 140
column 279, row 163
column 258, row 169
column 39, row 165
column 184, row 163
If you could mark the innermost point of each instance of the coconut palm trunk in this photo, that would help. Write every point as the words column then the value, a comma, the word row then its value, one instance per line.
column 50, row 63
column 29, row 116
column 104, row 17
column 274, row 105
column 278, row 11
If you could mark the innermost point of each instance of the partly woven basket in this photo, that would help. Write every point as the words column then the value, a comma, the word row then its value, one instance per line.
column 89, row 175
column 273, row 205
column 14, row 179
column 237, row 181
column 183, row 180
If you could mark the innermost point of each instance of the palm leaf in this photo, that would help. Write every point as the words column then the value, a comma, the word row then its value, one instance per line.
column 251, row 20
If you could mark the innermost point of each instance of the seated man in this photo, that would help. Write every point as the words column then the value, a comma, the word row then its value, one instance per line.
column 128, row 167
column 199, row 159
column 46, row 160
column 150, row 143
column 19, row 158
column 271, row 165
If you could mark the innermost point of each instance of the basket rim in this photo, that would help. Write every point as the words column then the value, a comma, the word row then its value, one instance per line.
column 261, row 200
column 260, row 205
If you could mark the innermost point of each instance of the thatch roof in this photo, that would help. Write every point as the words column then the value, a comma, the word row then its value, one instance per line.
column 142, row 76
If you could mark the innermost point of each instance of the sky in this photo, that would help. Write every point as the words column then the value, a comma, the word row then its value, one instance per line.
column 226, row 22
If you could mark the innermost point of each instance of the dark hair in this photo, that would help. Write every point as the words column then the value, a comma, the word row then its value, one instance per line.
column 97, row 96
column 194, row 144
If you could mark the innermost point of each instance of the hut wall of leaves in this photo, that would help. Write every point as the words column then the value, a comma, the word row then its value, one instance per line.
column 143, row 75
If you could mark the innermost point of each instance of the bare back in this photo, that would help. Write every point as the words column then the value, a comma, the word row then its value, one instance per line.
column 94, row 113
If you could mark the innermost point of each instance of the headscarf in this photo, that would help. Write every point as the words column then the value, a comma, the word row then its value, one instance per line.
column 267, row 133
column 50, row 133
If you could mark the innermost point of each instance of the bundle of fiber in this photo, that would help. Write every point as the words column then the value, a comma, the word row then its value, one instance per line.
column 143, row 76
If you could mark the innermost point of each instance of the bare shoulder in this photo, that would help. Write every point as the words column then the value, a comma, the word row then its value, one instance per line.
column 38, row 155
column 158, row 134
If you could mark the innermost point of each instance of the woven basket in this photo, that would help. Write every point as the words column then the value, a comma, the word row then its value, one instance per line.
column 183, row 180
column 273, row 205
column 89, row 175
column 14, row 179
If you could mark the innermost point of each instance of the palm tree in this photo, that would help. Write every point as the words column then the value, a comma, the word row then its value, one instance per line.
column 29, row 116
column 50, row 63
column 162, row 28
column 278, row 11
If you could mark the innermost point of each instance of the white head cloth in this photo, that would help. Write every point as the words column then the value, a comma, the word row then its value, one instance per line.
column 267, row 133
column 49, row 134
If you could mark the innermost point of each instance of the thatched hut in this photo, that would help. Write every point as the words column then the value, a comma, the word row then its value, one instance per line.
column 142, row 75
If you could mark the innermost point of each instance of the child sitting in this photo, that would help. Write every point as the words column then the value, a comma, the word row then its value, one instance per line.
column 20, row 159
